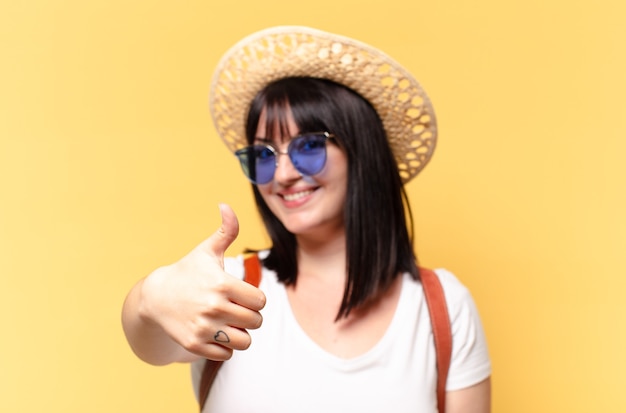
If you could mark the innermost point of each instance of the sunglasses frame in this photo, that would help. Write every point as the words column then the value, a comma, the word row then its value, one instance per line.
column 243, row 152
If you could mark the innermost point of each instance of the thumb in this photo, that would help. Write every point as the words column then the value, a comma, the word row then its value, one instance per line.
column 221, row 239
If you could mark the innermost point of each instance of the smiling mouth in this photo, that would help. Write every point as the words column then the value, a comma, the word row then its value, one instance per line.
column 297, row 195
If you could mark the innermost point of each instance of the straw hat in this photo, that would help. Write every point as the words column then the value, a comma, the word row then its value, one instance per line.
column 294, row 51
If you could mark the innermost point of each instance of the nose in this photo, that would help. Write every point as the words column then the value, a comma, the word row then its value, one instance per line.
column 285, row 171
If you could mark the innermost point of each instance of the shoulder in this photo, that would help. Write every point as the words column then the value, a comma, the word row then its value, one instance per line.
column 461, row 305
column 451, row 284
column 456, row 293
column 458, row 298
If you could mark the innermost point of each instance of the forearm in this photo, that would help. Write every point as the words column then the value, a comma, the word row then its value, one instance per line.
column 146, row 338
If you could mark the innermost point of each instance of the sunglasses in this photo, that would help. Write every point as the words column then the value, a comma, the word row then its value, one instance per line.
column 307, row 153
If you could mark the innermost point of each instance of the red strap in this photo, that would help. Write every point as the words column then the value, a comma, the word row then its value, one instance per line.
column 208, row 375
column 252, row 275
column 442, row 331
column 439, row 318
column 252, row 267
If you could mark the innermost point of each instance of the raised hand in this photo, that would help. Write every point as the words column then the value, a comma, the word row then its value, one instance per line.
column 194, row 304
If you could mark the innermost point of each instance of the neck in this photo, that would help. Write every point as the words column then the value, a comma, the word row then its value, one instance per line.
column 322, row 259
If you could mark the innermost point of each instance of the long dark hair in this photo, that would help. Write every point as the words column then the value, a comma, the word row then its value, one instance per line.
column 378, row 218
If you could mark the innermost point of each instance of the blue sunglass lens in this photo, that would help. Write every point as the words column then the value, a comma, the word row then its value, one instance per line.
column 307, row 154
column 258, row 163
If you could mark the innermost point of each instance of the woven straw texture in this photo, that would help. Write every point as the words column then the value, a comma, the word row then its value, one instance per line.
column 286, row 51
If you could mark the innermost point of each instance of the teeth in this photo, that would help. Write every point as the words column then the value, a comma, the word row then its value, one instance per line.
column 297, row 195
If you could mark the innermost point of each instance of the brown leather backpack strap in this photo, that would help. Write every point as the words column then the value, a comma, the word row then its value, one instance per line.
column 208, row 375
column 442, row 331
column 252, row 275
column 252, row 267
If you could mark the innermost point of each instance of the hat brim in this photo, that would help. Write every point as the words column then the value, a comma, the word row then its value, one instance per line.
column 295, row 51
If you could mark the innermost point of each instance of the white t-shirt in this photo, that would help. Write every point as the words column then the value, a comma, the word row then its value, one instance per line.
column 284, row 371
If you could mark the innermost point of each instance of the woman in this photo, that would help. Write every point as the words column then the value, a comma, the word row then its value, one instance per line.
column 339, row 321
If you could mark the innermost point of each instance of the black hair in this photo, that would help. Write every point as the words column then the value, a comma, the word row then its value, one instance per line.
column 377, row 215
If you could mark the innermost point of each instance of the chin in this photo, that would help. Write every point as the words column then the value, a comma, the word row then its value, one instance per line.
column 314, row 227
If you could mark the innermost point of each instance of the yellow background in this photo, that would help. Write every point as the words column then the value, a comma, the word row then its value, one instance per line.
column 110, row 167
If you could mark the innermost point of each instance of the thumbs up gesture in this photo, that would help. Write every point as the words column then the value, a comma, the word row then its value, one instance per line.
column 193, row 308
